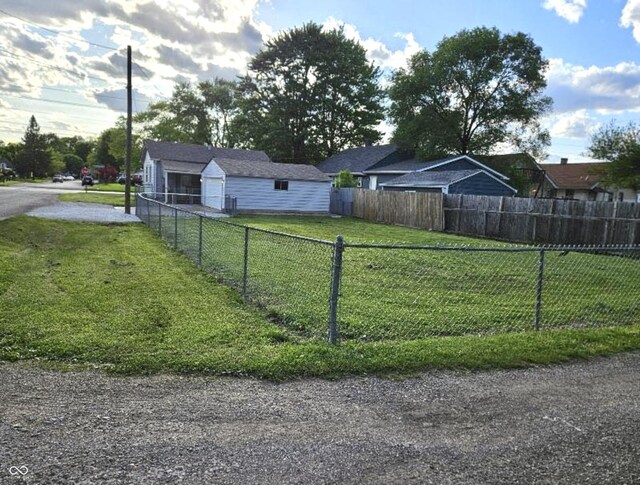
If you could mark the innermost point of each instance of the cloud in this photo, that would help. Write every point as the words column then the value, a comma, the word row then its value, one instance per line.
column 578, row 124
column 377, row 51
column 609, row 89
column 116, row 99
column 570, row 10
column 630, row 17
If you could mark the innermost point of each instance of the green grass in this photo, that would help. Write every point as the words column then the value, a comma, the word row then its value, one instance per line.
column 96, row 198
column 16, row 181
column 404, row 294
column 112, row 187
column 115, row 297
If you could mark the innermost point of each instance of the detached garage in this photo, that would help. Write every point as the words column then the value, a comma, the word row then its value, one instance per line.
column 265, row 186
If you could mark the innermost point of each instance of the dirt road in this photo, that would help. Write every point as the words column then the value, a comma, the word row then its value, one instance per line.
column 577, row 423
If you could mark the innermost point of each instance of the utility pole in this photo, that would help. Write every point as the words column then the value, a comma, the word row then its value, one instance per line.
column 127, row 183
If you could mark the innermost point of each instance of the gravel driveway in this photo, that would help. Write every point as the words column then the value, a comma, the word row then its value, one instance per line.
column 82, row 212
column 575, row 424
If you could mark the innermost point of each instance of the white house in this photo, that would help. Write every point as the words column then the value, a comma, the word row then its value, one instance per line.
column 213, row 177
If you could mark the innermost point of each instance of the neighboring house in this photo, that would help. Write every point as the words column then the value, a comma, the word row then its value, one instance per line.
column 582, row 181
column 359, row 161
column 521, row 168
column 460, row 174
column 5, row 164
column 387, row 167
column 180, row 172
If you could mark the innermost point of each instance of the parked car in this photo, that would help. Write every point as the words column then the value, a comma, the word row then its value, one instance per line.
column 87, row 180
column 57, row 178
column 122, row 179
column 68, row 177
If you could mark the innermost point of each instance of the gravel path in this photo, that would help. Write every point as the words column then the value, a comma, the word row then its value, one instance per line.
column 571, row 424
column 79, row 211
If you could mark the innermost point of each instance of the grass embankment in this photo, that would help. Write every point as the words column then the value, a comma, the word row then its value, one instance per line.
column 96, row 198
column 114, row 297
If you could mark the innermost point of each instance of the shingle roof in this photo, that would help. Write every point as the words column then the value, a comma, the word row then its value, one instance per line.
column 183, row 167
column 285, row 171
column 403, row 166
column 574, row 175
column 356, row 160
column 186, row 152
column 431, row 179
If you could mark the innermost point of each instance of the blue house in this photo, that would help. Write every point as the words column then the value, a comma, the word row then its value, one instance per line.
column 453, row 175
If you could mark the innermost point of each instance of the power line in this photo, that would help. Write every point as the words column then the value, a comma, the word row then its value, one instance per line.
column 59, row 33
column 70, row 103
column 50, row 66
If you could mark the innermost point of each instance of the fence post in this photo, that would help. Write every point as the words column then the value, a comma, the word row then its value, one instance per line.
column 245, row 268
column 200, row 241
column 539, row 289
column 175, row 228
column 336, row 272
column 160, row 219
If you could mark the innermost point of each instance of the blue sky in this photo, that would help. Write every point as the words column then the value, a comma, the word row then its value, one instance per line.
column 47, row 68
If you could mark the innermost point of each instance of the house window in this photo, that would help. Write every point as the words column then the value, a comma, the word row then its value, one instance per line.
column 569, row 193
column 621, row 196
column 281, row 185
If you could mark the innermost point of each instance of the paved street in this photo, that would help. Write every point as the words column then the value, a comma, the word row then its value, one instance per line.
column 571, row 424
column 22, row 198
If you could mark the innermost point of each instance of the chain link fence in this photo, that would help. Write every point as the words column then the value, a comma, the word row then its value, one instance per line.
column 368, row 292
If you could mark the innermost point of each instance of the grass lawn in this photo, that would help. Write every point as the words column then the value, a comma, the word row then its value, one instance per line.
column 96, row 198
column 17, row 181
column 404, row 294
column 115, row 297
column 112, row 187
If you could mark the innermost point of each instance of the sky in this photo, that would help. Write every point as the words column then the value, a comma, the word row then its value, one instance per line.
column 64, row 61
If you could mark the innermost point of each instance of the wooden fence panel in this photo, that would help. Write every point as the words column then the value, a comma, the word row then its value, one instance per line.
column 539, row 221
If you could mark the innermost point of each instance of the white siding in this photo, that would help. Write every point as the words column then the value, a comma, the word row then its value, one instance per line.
column 149, row 167
column 213, row 179
column 260, row 194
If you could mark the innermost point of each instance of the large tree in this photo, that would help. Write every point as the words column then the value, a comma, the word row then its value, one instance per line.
column 220, row 101
column 619, row 145
column 477, row 90
column 34, row 160
column 183, row 118
column 309, row 94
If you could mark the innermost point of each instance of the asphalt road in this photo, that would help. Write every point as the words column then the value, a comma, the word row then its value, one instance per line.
column 18, row 199
column 571, row 424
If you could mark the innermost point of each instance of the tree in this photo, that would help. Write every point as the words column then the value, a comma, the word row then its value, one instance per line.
column 183, row 118
column 220, row 101
column 619, row 145
column 72, row 163
column 34, row 160
column 477, row 90
column 345, row 179
column 309, row 94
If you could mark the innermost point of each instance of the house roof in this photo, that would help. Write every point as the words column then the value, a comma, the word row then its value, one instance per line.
column 183, row 167
column 356, row 160
column 400, row 167
column 270, row 170
column 186, row 152
column 431, row 179
column 444, row 161
column 576, row 176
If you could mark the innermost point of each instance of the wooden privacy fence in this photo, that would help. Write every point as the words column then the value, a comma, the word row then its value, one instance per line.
column 543, row 221
column 424, row 210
